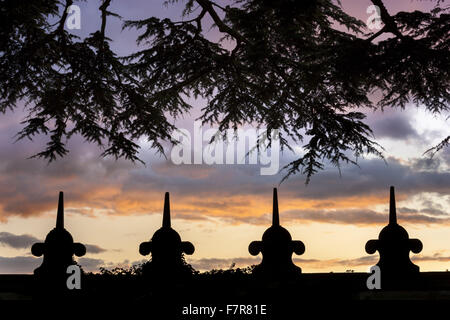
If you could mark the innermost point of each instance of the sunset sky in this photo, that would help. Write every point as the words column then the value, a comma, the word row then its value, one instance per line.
column 112, row 206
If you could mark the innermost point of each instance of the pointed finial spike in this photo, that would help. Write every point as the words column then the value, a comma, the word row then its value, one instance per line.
column 60, row 213
column 275, row 213
column 392, row 209
column 166, row 214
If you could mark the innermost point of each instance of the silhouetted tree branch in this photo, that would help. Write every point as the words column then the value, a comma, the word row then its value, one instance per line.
column 443, row 144
column 281, row 64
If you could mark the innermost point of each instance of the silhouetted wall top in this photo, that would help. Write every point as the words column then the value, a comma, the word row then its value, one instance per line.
column 276, row 247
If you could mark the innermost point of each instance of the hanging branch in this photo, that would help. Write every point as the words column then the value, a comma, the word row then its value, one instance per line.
column 62, row 21
column 103, row 8
column 389, row 23
column 208, row 6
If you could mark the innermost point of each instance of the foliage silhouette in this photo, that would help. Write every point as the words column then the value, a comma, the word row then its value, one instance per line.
column 141, row 270
column 280, row 64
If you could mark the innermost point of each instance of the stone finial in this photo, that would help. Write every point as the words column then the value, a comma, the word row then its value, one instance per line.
column 276, row 248
column 166, row 213
column 166, row 246
column 394, row 245
column 58, row 248
column 392, row 208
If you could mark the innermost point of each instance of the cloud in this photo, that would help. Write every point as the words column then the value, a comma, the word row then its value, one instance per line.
column 94, row 249
column 435, row 212
column 27, row 264
column 358, row 217
column 24, row 241
column 430, row 210
column 102, row 186
column 435, row 257
column 395, row 126
column 445, row 155
column 426, row 163
column 372, row 178
column 19, row 264
column 121, row 190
